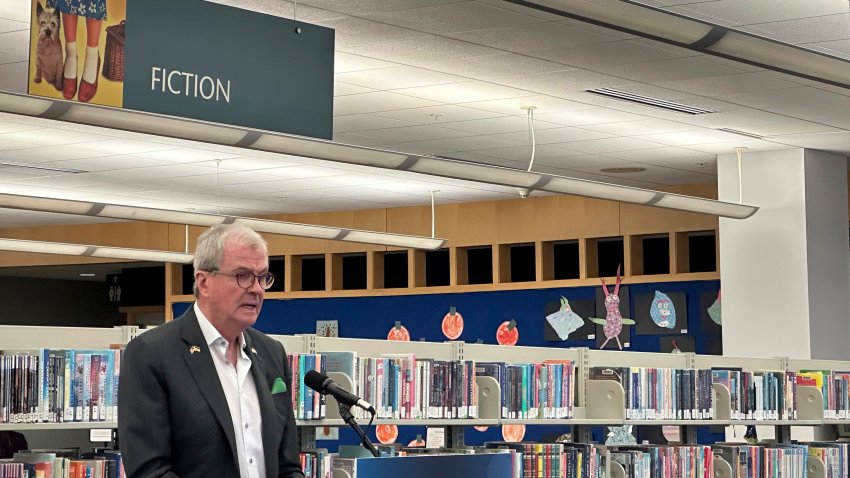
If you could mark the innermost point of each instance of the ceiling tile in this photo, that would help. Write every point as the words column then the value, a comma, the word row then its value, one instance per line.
column 354, row 31
column 542, row 103
column 471, row 143
column 501, row 67
column 342, row 89
column 349, row 123
column 454, row 17
column 607, row 55
column 674, row 69
column 18, row 10
column 542, row 36
column 397, row 77
column 469, row 91
column 414, row 133
column 647, row 126
column 503, row 124
column 715, row 85
column 686, row 138
column 375, row 102
column 589, row 116
column 439, row 114
column 346, row 62
column 746, row 13
column 599, row 146
column 804, row 30
column 421, row 51
column 560, row 134
column 362, row 7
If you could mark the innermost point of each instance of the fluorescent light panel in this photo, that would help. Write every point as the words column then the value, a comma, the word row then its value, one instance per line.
column 648, row 101
column 40, row 247
column 328, row 151
column 137, row 213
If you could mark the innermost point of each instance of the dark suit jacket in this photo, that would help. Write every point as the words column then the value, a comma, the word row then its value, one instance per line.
column 173, row 419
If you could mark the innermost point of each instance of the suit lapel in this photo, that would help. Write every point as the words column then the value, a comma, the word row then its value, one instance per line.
column 200, row 363
column 272, row 426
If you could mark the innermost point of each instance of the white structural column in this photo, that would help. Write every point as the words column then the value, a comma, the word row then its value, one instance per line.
column 785, row 272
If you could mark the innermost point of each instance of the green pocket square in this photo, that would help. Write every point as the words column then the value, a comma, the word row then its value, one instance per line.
column 278, row 386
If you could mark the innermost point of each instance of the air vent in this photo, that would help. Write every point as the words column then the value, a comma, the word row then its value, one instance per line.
column 742, row 133
column 645, row 100
column 41, row 168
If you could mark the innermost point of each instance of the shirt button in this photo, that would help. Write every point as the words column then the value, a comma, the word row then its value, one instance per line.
column 246, row 425
column 250, row 460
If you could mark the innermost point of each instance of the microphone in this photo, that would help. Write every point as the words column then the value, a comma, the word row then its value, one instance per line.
column 324, row 385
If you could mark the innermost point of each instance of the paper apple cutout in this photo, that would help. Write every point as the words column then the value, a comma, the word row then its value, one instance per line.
column 417, row 442
column 386, row 433
column 452, row 324
column 399, row 333
column 507, row 333
column 482, row 428
column 513, row 433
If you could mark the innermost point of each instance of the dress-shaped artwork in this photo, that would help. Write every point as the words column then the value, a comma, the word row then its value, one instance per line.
column 662, row 310
column 613, row 322
column 714, row 311
column 564, row 321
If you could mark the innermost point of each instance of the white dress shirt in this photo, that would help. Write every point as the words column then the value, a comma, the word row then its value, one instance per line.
column 241, row 394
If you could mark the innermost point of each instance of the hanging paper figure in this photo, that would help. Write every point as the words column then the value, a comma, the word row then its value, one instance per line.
column 613, row 322
column 714, row 311
column 564, row 321
column 662, row 310
column 676, row 349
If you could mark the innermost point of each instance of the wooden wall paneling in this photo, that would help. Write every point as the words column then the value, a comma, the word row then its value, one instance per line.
column 458, row 266
column 544, row 256
column 416, row 220
column 292, row 282
column 588, row 258
column 330, row 267
column 501, row 263
column 416, row 268
column 679, row 253
column 632, row 255
column 374, row 270
column 333, row 271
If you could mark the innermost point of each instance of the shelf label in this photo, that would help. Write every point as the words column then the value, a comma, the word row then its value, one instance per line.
column 100, row 435
column 435, row 437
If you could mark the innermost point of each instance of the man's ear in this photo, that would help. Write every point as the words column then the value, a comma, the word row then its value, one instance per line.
column 202, row 282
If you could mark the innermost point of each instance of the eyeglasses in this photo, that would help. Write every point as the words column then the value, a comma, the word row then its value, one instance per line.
column 246, row 280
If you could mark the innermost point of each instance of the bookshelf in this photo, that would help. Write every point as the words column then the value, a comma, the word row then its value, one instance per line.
column 597, row 402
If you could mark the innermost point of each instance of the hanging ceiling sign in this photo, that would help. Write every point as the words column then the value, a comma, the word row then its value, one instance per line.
column 191, row 58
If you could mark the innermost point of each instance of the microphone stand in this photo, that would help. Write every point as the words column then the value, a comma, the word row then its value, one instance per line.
column 345, row 414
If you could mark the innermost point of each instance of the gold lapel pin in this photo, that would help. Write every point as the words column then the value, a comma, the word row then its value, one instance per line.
column 194, row 349
column 253, row 351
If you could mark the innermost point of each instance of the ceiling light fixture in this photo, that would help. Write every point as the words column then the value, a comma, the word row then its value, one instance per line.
column 624, row 170
column 648, row 101
column 41, row 168
column 40, row 247
column 657, row 23
column 329, row 151
column 137, row 213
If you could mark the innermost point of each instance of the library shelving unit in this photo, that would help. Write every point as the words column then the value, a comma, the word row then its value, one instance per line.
column 597, row 402
column 19, row 338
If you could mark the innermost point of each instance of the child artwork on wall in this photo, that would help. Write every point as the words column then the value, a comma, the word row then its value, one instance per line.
column 620, row 436
column 663, row 311
column 452, row 324
column 507, row 333
column 612, row 324
column 399, row 333
column 327, row 328
column 715, row 309
column 565, row 321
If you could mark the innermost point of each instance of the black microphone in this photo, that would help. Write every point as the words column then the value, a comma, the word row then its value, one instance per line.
column 324, row 385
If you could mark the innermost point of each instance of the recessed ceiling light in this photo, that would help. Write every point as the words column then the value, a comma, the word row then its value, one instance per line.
column 648, row 101
column 623, row 170
column 86, row 274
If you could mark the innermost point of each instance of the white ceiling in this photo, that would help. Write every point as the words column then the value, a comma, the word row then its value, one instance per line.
column 449, row 78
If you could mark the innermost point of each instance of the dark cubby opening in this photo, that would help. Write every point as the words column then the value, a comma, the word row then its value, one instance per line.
column 656, row 255
column 395, row 270
column 437, row 268
column 313, row 273
column 479, row 267
column 523, row 267
column 702, row 252
column 277, row 266
column 142, row 286
column 609, row 256
column 354, row 271
column 566, row 257
column 188, row 279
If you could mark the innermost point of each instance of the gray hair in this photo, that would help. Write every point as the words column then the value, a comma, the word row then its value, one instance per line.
column 212, row 242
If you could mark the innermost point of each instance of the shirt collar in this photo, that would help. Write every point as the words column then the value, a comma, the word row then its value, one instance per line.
column 211, row 334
